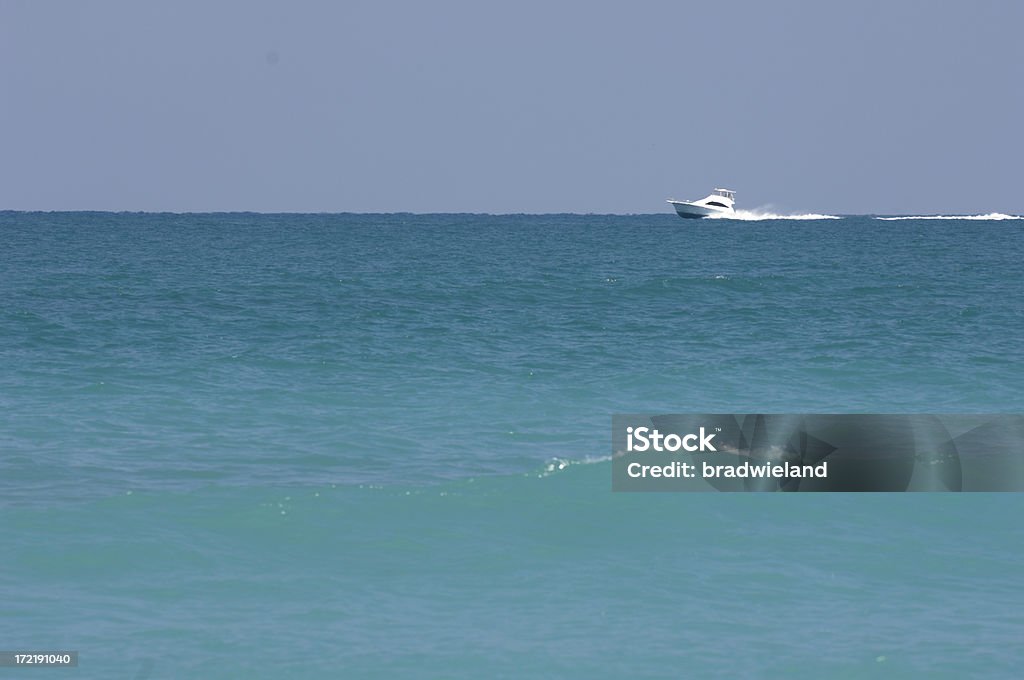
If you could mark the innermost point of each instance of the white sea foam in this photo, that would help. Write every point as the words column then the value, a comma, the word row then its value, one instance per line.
column 558, row 464
column 987, row 216
column 759, row 214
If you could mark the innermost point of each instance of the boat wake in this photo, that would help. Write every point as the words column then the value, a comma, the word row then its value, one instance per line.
column 757, row 215
column 988, row 216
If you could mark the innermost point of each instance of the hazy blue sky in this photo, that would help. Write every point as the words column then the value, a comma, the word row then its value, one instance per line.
column 890, row 107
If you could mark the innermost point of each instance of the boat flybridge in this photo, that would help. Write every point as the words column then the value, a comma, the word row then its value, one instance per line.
column 719, row 202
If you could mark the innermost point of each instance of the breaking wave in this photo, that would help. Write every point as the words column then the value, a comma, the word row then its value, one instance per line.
column 558, row 464
column 987, row 216
column 757, row 215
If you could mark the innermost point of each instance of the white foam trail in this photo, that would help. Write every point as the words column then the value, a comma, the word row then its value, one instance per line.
column 558, row 464
column 757, row 215
column 988, row 216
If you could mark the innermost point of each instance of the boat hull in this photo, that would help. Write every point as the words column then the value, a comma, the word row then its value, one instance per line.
column 689, row 210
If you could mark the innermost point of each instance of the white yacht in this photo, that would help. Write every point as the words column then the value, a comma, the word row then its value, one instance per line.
column 719, row 202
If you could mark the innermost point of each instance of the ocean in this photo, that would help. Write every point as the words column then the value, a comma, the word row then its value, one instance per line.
column 377, row 446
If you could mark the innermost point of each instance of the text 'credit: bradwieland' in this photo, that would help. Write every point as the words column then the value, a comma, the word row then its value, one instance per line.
column 818, row 452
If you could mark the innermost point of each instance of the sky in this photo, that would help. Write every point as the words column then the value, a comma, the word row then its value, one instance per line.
column 894, row 107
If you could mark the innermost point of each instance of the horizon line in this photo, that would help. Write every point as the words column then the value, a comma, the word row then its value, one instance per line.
column 308, row 212
column 488, row 214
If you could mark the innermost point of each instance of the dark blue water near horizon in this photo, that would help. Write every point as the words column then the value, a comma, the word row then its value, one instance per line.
column 376, row 445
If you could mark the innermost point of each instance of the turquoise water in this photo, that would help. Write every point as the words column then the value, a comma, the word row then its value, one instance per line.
column 244, row 445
